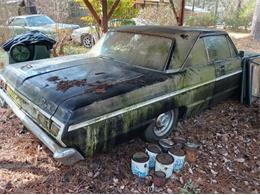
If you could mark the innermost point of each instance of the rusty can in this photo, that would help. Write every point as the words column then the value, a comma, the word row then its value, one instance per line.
column 179, row 142
column 191, row 152
column 152, row 150
column 159, row 179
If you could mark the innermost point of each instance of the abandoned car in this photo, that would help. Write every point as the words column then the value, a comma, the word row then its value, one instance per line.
column 135, row 80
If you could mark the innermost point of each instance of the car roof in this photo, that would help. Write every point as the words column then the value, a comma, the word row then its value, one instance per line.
column 167, row 30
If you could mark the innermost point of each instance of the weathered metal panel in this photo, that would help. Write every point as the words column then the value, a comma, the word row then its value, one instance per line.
column 256, row 78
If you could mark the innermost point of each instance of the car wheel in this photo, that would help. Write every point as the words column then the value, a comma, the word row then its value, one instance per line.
column 162, row 126
column 87, row 41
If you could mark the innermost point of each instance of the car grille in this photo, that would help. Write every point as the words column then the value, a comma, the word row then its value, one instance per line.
column 31, row 111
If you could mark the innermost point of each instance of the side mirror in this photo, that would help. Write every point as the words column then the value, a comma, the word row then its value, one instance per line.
column 241, row 54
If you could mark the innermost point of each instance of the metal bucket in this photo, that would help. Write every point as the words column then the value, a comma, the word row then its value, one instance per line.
column 164, row 163
column 191, row 152
column 179, row 158
column 139, row 164
column 152, row 150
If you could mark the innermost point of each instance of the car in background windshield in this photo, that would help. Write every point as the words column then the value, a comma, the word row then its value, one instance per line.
column 39, row 21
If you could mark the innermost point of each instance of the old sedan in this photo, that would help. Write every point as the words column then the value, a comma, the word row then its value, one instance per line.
column 136, row 80
column 20, row 24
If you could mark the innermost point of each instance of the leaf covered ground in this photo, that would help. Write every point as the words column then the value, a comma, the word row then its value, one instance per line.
column 228, row 162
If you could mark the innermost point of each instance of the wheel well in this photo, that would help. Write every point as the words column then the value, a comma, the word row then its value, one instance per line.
column 85, row 34
column 182, row 112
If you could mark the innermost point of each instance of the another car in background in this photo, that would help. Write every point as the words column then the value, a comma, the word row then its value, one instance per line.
column 42, row 23
column 88, row 36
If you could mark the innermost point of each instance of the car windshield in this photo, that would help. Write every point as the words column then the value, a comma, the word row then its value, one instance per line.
column 39, row 21
column 136, row 49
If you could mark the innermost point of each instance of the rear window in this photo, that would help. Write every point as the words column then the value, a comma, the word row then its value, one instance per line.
column 183, row 44
column 218, row 48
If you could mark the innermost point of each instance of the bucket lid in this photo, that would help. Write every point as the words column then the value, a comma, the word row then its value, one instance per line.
column 166, row 143
column 192, row 145
column 176, row 151
column 154, row 148
column 179, row 140
column 165, row 159
column 140, row 157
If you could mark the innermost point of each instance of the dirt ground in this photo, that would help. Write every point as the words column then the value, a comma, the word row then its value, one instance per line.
column 228, row 160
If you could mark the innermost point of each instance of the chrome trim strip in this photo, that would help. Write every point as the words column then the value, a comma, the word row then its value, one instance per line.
column 139, row 105
column 66, row 156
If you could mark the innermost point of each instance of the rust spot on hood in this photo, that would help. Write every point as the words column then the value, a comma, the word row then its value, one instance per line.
column 65, row 85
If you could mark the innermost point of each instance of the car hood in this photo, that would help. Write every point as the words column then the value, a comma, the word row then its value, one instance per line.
column 73, row 82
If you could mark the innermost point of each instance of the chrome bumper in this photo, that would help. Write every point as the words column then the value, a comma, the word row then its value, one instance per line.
column 67, row 156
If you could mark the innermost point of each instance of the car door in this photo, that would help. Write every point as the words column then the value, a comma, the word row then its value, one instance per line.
column 224, row 56
column 18, row 26
column 200, row 76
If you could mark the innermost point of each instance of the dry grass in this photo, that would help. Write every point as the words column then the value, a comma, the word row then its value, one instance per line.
column 245, row 42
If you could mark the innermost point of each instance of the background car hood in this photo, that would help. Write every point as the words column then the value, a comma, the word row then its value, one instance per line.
column 88, row 29
column 62, row 26
column 73, row 82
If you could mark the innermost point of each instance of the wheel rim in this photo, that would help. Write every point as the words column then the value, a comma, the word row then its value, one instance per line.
column 87, row 42
column 163, row 123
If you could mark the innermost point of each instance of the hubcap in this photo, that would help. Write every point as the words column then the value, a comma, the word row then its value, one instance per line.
column 87, row 42
column 163, row 123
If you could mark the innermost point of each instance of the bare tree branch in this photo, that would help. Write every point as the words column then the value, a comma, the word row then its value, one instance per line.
column 112, row 10
column 174, row 11
column 93, row 12
column 104, row 21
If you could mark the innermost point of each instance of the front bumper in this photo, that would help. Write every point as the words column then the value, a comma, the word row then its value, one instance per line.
column 67, row 156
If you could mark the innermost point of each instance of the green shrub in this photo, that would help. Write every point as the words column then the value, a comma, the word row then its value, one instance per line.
column 240, row 18
column 202, row 20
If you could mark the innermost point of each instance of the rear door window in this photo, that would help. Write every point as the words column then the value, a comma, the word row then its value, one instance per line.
column 217, row 47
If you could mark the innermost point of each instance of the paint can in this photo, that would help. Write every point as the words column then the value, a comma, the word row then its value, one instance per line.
column 152, row 150
column 164, row 163
column 179, row 142
column 191, row 149
column 139, row 164
column 159, row 179
column 166, row 144
column 179, row 158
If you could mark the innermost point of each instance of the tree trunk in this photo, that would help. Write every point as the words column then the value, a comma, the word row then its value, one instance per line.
column 193, row 5
column 216, row 8
column 256, row 22
column 104, row 21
